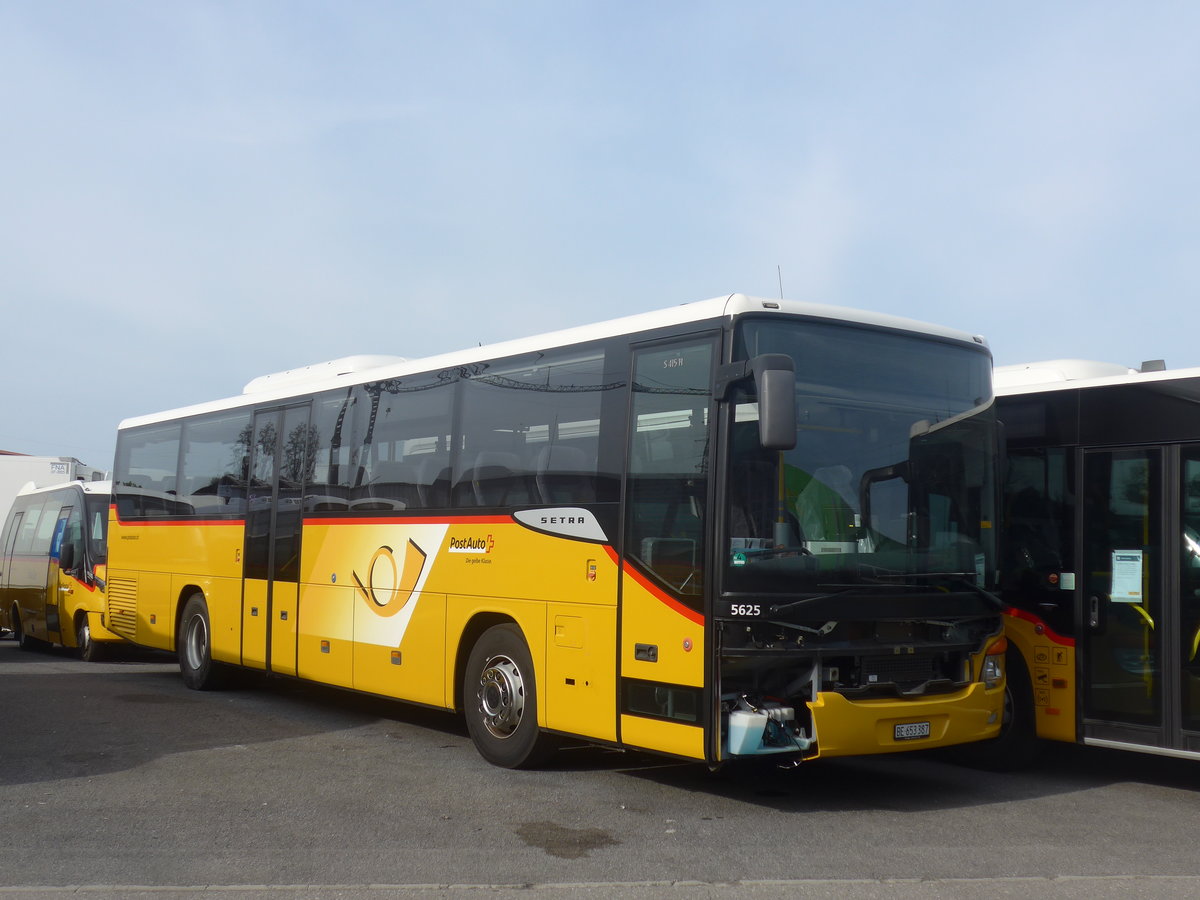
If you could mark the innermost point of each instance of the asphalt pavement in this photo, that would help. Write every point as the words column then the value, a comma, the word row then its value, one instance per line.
column 119, row 782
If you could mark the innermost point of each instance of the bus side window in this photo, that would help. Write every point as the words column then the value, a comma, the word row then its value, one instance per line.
column 401, row 440
column 46, row 525
column 145, row 469
column 10, row 536
column 216, row 451
column 328, row 486
column 24, row 540
column 668, row 463
column 71, row 554
column 531, row 430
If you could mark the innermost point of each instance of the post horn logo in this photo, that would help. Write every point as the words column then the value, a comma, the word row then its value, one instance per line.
column 389, row 585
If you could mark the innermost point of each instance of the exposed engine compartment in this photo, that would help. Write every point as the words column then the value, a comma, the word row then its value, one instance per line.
column 770, row 671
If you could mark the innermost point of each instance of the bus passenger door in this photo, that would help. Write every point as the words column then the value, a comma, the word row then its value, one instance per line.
column 51, row 588
column 61, row 587
column 663, row 641
column 279, row 457
column 1188, row 642
column 1124, row 609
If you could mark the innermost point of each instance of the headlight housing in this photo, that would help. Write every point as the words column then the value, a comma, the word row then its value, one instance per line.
column 993, row 664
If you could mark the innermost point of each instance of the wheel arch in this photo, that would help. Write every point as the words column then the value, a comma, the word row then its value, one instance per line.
column 77, row 617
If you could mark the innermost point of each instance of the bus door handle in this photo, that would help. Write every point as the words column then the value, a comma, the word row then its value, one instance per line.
column 645, row 652
column 1094, row 612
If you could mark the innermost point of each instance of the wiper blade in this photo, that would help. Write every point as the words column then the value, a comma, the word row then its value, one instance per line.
column 872, row 587
column 960, row 578
column 907, row 577
column 843, row 589
column 991, row 598
column 804, row 601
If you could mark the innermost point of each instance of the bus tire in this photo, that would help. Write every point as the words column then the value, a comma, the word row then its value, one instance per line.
column 24, row 640
column 194, row 645
column 89, row 650
column 1018, row 743
column 500, row 700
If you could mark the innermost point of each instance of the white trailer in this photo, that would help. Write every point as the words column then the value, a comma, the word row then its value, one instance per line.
column 17, row 471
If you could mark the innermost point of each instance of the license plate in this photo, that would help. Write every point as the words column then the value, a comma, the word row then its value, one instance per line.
column 910, row 731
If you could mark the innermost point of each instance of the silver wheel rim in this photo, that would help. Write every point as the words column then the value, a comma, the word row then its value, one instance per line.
column 195, row 644
column 501, row 697
column 85, row 635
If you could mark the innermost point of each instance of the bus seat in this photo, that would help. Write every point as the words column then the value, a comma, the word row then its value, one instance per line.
column 496, row 479
column 564, row 474
column 433, row 478
column 392, row 485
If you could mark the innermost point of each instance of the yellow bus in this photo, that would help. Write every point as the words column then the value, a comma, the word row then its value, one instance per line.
column 1101, row 563
column 738, row 527
column 52, row 567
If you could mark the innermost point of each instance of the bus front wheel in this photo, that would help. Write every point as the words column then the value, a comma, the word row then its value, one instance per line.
column 194, row 644
column 500, row 700
column 1017, row 744
column 89, row 650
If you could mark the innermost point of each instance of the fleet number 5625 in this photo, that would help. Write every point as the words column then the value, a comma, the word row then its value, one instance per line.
column 745, row 609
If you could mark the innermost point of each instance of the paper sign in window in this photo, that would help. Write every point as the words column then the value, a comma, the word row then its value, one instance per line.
column 1126, row 576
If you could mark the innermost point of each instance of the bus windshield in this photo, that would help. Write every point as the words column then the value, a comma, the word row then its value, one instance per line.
column 890, row 487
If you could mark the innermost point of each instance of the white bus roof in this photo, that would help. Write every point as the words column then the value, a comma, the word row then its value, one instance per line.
column 89, row 487
column 353, row 370
column 1056, row 374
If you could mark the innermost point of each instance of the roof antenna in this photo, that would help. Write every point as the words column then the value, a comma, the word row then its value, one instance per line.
column 779, row 272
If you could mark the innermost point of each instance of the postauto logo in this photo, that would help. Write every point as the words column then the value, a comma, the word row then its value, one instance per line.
column 473, row 544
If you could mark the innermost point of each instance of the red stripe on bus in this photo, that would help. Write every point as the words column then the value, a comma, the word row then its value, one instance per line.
column 1044, row 629
column 664, row 597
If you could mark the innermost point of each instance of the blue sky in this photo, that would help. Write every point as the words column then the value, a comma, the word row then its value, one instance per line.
column 196, row 193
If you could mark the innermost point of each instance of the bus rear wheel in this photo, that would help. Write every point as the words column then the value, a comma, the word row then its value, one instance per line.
column 500, row 697
column 194, row 645
column 24, row 640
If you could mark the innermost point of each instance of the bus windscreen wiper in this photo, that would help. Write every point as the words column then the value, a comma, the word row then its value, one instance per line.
column 960, row 578
column 843, row 590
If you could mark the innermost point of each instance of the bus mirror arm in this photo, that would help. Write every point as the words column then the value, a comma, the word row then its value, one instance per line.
column 774, row 376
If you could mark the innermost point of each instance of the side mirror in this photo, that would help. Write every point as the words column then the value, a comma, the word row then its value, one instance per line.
column 66, row 557
column 775, row 377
